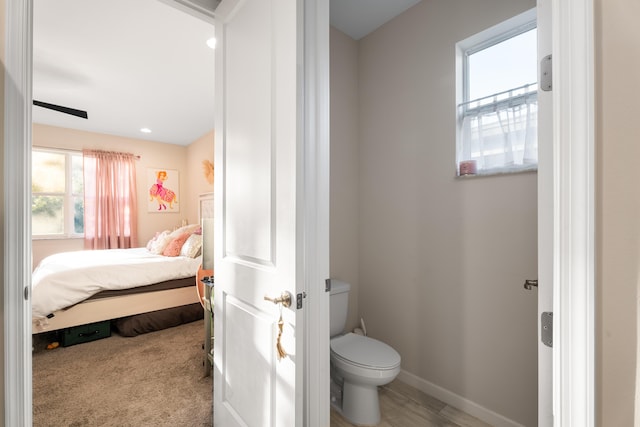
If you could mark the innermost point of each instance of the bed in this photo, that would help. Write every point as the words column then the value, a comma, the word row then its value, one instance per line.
column 76, row 288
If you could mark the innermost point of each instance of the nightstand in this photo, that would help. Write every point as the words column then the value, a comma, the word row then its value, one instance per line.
column 204, row 284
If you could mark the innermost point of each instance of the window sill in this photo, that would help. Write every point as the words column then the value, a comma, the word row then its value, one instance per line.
column 57, row 237
column 500, row 172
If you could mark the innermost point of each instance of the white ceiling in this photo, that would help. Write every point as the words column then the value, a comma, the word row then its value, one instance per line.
column 357, row 18
column 134, row 64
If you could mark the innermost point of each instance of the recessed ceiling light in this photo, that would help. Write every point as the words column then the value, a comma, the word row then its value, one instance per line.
column 145, row 130
column 212, row 42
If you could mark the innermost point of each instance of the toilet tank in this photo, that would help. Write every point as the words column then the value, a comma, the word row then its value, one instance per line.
column 339, row 306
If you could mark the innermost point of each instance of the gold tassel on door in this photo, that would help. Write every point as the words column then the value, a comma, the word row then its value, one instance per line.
column 284, row 300
column 281, row 352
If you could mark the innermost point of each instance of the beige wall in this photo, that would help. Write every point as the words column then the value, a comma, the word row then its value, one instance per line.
column 152, row 155
column 441, row 261
column 199, row 150
column 618, row 208
column 344, row 166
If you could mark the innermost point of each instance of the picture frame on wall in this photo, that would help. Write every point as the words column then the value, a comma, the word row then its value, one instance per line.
column 163, row 190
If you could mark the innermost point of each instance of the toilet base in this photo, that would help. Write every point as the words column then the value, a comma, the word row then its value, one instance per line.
column 360, row 404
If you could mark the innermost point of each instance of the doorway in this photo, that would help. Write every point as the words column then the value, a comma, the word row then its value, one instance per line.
column 87, row 74
column 576, row 73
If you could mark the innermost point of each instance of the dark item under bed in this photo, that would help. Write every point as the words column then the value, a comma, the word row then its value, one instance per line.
column 85, row 333
column 131, row 326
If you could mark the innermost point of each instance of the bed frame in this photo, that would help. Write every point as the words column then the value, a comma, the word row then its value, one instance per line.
column 113, row 307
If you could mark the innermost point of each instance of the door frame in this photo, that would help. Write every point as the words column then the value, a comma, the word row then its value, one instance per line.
column 574, row 192
column 573, row 52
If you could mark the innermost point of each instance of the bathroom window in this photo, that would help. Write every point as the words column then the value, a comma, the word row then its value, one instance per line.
column 497, row 103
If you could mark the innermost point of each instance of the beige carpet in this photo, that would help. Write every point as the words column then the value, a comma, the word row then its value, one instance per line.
column 155, row 379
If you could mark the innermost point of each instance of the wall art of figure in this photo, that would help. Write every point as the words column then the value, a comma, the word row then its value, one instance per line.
column 163, row 190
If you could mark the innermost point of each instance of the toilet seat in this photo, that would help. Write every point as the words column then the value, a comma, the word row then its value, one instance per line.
column 364, row 352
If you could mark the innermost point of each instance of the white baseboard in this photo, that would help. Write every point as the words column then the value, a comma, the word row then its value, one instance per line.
column 459, row 402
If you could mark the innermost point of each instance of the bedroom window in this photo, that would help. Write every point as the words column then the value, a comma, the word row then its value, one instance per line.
column 57, row 202
column 497, row 103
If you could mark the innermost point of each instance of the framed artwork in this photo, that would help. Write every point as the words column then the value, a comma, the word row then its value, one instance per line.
column 163, row 187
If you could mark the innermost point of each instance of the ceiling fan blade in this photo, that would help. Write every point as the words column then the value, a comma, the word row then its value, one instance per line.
column 60, row 108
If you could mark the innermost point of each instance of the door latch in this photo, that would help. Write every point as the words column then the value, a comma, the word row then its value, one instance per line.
column 299, row 298
column 546, row 73
column 530, row 283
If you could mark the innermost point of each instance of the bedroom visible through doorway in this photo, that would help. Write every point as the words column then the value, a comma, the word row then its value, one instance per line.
column 137, row 102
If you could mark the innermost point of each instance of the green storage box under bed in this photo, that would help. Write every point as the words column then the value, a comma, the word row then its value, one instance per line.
column 85, row 333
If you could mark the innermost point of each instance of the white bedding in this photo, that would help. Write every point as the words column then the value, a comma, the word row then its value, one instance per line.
column 67, row 278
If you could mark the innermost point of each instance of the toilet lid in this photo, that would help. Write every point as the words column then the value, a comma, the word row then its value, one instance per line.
column 365, row 351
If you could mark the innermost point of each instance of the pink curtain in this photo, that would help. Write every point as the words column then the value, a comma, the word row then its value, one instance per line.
column 110, row 200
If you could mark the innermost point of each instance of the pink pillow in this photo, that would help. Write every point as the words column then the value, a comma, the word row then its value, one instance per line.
column 173, row 248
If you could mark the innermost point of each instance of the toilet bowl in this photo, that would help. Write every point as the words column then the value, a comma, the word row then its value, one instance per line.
column 359, row 364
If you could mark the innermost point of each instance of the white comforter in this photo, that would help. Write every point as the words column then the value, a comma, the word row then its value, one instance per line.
column 65, row 279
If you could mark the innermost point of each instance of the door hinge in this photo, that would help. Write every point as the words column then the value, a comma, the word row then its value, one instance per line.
column 327, row 285
column 546, row 73
column 299, row 298
column 546, row 328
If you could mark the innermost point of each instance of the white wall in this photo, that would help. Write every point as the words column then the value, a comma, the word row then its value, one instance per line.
column 442, row 261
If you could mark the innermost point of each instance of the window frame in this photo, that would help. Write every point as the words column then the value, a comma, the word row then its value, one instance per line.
column 499, row 33
column 68, row 196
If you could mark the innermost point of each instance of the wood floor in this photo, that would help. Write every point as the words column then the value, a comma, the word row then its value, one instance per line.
column 404, row 406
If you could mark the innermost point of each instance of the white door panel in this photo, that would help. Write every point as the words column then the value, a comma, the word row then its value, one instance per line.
column 256, row 164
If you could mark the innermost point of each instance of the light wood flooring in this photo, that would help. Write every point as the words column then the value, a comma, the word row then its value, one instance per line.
column 404, row 406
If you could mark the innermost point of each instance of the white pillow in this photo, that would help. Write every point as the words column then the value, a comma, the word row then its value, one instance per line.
column 160, row 243
column 191, row 247
column 153, row 240
column 191, row 228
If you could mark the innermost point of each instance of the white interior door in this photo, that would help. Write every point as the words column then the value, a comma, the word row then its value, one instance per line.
column 257, row 367
column 545, row 219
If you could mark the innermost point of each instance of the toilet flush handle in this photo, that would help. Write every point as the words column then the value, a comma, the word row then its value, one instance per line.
column 284, row 299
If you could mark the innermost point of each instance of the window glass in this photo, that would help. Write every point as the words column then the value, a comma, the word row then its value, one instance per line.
column 57, row 203
column 76, row 174
column 497, row 95
column 47, row 215
column 503, row 66
column 77, row 187
column 78, row 214
column 49, row 172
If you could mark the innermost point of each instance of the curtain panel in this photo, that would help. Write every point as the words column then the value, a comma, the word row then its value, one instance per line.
column 110, row 200
column 502, row 136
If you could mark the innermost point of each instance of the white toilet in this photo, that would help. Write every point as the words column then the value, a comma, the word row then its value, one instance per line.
column 359, row 364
